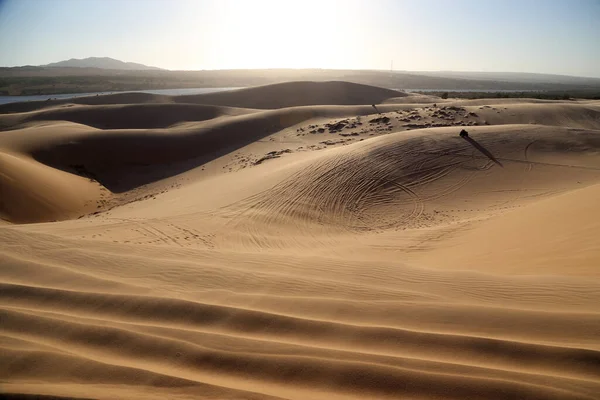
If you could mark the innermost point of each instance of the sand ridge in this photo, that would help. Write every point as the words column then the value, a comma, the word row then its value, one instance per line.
column 300, row 241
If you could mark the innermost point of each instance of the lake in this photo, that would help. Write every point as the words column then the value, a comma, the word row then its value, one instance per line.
column 169, row 92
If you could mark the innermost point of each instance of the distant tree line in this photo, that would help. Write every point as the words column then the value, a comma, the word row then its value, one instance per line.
column 546, row 95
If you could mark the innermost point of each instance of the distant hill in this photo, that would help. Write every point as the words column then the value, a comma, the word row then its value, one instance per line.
column 102, row 63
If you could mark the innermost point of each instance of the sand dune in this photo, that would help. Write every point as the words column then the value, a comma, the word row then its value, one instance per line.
column 279, row 95
column 391, row 181
column 292, row 94
column 118, row 98
column 132, row 116
column 143, row 155
column 560, row 234
column 300, row 241
column 586, row 116
column 34, row 192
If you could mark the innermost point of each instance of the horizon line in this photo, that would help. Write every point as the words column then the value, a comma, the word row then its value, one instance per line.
column 155, row 68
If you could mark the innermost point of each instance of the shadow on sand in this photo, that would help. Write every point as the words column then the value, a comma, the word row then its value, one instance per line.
column 483, row 150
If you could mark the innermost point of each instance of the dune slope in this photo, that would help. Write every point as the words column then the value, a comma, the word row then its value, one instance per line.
column 33, row 192
column 558, row 235
column 291, row 94
column 338, row 248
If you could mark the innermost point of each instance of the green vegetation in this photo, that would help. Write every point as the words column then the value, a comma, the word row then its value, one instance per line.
column 543, row 95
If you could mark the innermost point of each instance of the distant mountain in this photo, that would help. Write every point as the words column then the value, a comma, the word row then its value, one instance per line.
column 101, row 62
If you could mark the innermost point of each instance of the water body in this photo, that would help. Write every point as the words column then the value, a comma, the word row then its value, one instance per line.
column 169, row 92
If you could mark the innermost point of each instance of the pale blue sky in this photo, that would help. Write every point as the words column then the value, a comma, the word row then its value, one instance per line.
column 545, row 36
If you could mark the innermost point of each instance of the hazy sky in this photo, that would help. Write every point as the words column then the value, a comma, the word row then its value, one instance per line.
column 548, row 36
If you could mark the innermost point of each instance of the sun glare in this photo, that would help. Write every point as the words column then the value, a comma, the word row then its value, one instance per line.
column 271, row 33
